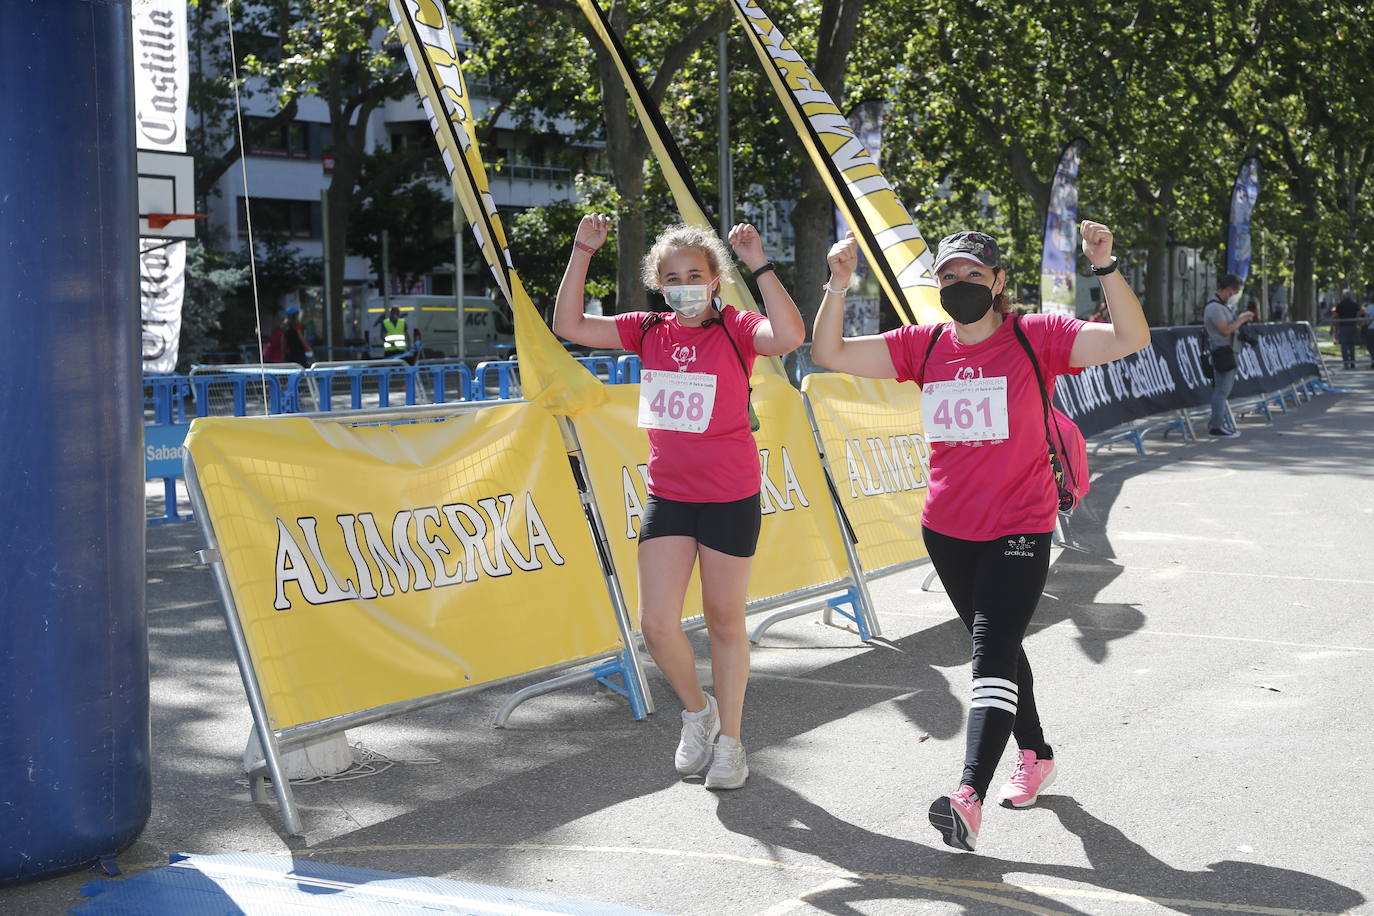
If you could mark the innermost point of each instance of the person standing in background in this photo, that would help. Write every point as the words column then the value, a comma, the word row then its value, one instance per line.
column 1220, row 320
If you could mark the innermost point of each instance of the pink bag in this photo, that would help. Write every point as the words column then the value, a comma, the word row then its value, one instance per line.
column 1068, row 449
column 1069, row 461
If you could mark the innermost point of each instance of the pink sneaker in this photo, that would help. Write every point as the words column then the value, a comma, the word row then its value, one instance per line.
column 958, row 818
column 1031, row 777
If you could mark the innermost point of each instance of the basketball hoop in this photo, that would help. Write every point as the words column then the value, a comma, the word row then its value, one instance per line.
column 160, row 220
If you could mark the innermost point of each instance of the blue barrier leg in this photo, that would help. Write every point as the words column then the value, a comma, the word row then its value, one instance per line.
column 629, row 686
column 850, row 600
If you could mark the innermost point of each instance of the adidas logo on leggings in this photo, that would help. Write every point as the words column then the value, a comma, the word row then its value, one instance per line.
column 997, row 692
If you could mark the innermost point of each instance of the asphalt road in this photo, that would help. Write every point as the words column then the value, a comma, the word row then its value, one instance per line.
column 1204, row 658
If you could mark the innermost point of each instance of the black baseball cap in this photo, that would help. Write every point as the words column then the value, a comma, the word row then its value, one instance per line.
column 975, row 246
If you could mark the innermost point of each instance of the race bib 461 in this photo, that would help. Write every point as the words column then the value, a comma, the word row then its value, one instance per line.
column 966, row 410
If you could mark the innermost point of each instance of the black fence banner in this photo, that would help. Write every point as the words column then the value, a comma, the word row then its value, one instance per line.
column 1167, row 375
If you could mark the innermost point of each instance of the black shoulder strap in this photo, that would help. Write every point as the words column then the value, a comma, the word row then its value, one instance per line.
column 1044, row 396
column 733, row 346
column 939, row 329
column 1039, row 379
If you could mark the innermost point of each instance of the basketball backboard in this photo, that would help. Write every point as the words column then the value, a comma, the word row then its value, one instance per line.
column 166, row 188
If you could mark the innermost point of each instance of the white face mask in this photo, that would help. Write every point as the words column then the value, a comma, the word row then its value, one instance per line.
column 688, row 301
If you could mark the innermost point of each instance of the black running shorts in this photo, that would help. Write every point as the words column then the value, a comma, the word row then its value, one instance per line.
column 731, row 528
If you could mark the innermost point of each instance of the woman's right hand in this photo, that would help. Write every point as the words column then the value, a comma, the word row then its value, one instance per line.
column 843, row 258
column 593, row 230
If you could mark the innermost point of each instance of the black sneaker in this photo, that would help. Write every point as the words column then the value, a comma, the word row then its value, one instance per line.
column 1224, row 433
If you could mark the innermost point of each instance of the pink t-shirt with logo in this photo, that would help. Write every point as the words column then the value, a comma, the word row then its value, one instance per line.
column 721, row 464
column 989, row 489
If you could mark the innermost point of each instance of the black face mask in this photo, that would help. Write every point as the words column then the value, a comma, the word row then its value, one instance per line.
column 965, row 301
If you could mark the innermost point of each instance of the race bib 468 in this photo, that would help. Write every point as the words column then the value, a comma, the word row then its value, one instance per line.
column 680, row 401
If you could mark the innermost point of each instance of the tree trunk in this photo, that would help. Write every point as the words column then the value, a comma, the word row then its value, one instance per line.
column 1158, row 309
column 350, row 141
column 813, row 218
column 1302, row 298
column 1302, row 303
column 627, row 149
column 630, row 294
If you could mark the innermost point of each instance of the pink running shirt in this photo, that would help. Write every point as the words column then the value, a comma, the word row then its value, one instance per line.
column 985, row 490
column 721, row 464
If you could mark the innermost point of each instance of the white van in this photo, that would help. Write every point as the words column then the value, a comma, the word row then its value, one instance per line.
column 487, row 330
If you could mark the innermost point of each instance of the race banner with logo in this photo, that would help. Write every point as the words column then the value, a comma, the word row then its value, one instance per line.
column 733, row 290
column 886, row 234
column 879, row 458
column 1059, row 254
column 160, row 97
column 1167, row 375
column 1243, row 196
column 862, row 305
column 548, row 374
column 379, row 563
column 799, row 545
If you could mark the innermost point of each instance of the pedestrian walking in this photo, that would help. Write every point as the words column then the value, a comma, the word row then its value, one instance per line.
column 991, row 505
column 1346, row 321
column 703, row 507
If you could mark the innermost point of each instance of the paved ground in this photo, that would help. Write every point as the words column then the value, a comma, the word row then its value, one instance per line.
column 1204, row 655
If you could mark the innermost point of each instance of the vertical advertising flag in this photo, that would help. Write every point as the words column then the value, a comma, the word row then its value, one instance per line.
column 1058, row 258
column 865, row 293
column 1243, row 197
column 160, row 94
column 900, row 257
column 547, row 373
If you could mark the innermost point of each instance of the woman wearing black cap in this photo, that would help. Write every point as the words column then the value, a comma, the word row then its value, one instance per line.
column 991, row 504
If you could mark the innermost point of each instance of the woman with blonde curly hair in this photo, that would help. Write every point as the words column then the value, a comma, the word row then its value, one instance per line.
column 704, row 476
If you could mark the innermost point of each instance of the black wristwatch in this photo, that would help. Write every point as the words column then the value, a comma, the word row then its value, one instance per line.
column 1103, row 271
column 767, row 266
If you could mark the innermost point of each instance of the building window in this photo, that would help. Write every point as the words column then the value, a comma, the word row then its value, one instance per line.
column 295, row 219
column 285, row 141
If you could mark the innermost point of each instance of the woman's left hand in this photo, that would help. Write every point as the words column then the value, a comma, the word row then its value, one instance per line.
column 744, row 238
column 1097, row 243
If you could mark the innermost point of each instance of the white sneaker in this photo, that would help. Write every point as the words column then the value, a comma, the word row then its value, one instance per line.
column 728, row 769
column 699, row 731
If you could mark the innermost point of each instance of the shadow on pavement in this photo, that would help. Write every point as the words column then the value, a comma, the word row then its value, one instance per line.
column 779, row 817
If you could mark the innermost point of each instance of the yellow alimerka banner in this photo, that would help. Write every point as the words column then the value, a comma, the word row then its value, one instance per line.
column 548, row 374
column 899, row 255
column 799, row 545
column 872, row 434
column 373, row 564
column 733, row 290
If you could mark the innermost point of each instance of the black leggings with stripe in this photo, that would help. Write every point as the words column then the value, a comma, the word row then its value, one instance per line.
column 995, row 587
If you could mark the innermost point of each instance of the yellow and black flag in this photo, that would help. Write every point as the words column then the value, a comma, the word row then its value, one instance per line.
column 900, row 257
column 674, row 167
column 548, row 374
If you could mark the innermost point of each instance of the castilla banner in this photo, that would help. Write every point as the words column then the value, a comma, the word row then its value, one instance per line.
column 160, row 98
column 799, row 545
column 379, row 563
column 879, row 458
column 1167, row 375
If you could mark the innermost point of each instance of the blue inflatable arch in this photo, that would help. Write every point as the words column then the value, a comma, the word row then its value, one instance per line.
column 74, row 741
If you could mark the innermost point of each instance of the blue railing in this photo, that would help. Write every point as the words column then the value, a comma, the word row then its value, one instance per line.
column 171, row 401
